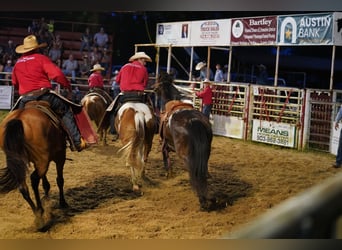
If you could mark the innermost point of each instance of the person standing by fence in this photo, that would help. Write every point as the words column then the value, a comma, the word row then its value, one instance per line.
column 207, row 98
column 338, row 161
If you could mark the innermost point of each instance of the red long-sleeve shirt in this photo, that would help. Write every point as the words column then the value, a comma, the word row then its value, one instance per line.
column 95, row 80
column 132, row 76
column 34, row 71
column 206, row 95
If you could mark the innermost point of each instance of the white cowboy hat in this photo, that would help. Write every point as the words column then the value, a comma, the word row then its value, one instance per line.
column 206, row 80
column 139, row 55
column 97, row 67
column 30, row 43
column 200, row 65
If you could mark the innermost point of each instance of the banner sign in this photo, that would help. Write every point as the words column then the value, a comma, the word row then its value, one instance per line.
column 228, row 126
column 337, row 28
column 6, row 94
column 195, row 33
column 310, row 29
column 281, row 134
column 176, row 33
column 211, row 32
column 254, row 31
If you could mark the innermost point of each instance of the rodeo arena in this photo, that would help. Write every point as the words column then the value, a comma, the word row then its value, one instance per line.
column 288, row 110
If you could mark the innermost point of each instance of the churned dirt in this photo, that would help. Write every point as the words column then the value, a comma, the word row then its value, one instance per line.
column 249, row 177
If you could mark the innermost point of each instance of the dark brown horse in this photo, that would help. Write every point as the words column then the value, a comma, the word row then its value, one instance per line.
column 95, row 105
column 135, row 123
column 186, row 131
column 30, row 136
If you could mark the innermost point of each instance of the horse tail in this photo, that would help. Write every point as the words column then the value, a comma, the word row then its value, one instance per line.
column 200, row 138
column 16, row 161
column 135, row 147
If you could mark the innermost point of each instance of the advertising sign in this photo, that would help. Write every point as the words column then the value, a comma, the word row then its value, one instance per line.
column 310, row 29
column 211, row 32
column 281, row 134
column 6, row 94
column 337, row 28
column 176, row 33
column 254, row 31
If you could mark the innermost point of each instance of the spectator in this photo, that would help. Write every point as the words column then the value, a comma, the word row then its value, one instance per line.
column 55, row 53
column 8, row 70
column 101, row 39
column 10, row 49
column 202, row 68
column 105, row 61
column 86, row 40
column 2, row 73
column 115, row 87
column 263, row 76
column 51, row 29
column 338, row 160
column 218, row 74
column 206, row 95
column 33, row 29
column 95, row 56
column 85, row 67
column 70, row 67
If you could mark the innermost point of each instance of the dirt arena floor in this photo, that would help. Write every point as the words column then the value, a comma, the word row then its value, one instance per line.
column 250, row 177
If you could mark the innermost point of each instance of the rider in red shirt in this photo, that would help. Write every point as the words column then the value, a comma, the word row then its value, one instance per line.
column 133, row 76
column 132, row 79
column 95, row 82
column 32, row 75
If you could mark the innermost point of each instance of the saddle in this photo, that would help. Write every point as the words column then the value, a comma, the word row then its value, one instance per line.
column 120, row 99
column 170, row 108
column 102, row 94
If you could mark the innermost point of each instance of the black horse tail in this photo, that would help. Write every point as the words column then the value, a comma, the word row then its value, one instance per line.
column 200, row 138
column 14, row 147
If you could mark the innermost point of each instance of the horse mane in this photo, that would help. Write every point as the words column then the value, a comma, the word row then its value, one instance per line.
column 168, row 90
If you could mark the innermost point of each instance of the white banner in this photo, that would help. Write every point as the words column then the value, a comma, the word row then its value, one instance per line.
column 195, row 33
column 335, row 138
column 281, row 134
column 6, row 94
column 229, row 126
column 176, row 33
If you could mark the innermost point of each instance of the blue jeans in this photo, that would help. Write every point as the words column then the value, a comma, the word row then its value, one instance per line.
column 62, row 109
column 207, row 110
column 339, row 151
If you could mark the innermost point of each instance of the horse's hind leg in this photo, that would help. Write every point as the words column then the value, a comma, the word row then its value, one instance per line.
column 46, row 185
column 166, row 160
column 25, row 193
column 60, row 181
column 35, row 178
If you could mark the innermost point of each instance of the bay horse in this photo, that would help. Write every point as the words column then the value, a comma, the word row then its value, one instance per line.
column 135, row 123
column 31, row 135
column 95, row 105
column 187, row 132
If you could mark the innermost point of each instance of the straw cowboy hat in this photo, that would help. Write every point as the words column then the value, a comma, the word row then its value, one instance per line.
column 97, row 67
column 200, row 65
column 139, row 55
column 30, row 43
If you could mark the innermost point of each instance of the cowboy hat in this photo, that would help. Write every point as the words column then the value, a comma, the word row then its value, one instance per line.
column 97, row 67
column 206, row 80
column 139, row 55
column 30, row 43
column 200, row 65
